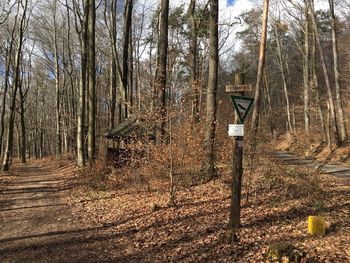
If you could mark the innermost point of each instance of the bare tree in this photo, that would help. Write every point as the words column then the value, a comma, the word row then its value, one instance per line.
column 208, row 166
column 316, row 86
column 81, row 25
column 256, row 109
column 333, row 116
column 281, row 65
column 9, row 51
column 124, row 105
column 193, row 60
column 16, row 82
column 343, row 136
column 57, row 83
column 306, row 55
column 92, row 81
column 113, row 45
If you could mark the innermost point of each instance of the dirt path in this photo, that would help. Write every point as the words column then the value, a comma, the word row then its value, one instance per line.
column 35, row 223
column 331, row 169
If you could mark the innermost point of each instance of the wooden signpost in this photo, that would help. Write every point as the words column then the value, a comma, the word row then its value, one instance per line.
column 238, row 88
column 242, row 105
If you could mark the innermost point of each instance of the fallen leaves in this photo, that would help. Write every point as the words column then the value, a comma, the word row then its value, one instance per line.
column 191, row 231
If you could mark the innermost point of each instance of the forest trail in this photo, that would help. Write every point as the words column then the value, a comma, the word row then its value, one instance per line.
column 331, row 169
column 36, row 225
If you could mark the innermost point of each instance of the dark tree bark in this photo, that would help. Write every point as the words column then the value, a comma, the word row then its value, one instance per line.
column 125, row 104
column 161, row 74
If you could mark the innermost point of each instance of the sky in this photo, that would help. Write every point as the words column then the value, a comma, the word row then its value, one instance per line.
column 230, row 2
column 228, row 11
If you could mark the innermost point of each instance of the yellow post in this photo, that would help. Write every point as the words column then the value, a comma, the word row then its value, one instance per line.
column 316, row 225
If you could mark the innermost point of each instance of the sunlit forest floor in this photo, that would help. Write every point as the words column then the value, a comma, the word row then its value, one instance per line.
column 97, row 215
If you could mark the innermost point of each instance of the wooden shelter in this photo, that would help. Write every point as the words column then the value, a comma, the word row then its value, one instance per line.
column 124, row 143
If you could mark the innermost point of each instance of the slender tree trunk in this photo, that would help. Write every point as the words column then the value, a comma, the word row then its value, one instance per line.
column 6, row 85
column 16, row 81
column 269, row 108
column 343, row 136
column 138, row 55
column 128, row 6
column 285, row 89
column 57, row 85
column 73, row 101
column 92, row 81
column 113, row 70
column 316, row 87
column 306, row 73
column 161, row 74
column 325, row 73
column 193, row 62
column 256, row 108
column 82, row 90
column 131, row 74
column 208, row 164
column 329, row 140
column 23, row 125
column 6, row 82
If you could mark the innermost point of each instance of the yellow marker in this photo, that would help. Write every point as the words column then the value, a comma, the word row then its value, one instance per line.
column 316, row 225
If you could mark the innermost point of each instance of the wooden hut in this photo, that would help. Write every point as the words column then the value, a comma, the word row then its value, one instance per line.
column 124, row 143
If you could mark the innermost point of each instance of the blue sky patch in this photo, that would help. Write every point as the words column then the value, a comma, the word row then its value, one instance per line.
column 230, row 2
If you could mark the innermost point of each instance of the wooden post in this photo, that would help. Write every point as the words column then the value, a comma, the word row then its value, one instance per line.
column 237, row 171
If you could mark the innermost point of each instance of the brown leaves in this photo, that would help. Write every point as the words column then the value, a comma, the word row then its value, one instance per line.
column 138, row 221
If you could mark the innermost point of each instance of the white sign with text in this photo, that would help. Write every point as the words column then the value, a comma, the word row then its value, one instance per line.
column 236, row 130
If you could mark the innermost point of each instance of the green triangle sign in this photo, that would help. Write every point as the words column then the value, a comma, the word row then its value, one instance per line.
column 242, row 106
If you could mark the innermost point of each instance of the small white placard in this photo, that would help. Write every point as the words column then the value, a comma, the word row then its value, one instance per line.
column 236, row 130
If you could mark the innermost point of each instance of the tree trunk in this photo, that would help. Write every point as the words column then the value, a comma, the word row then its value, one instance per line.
column 208, row 166
column 325, row 73
column 57, row 85
column 285, row 89
column 92, row 81
column 161, row 73
column 131, row 73
column 6, row 85
column 256, row 108
column 113, row 76
column 82, row 89
column 269, row 107
column 23, row 125
column 16, row 83
column 193, row 62
column 306, row 73
column 128, row 6
column 343, row 136
column 316, row 87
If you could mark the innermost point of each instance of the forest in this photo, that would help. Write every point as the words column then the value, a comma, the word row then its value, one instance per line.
column 117, row 141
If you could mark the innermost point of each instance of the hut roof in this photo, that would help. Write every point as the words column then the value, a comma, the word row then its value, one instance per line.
column 130, row 127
